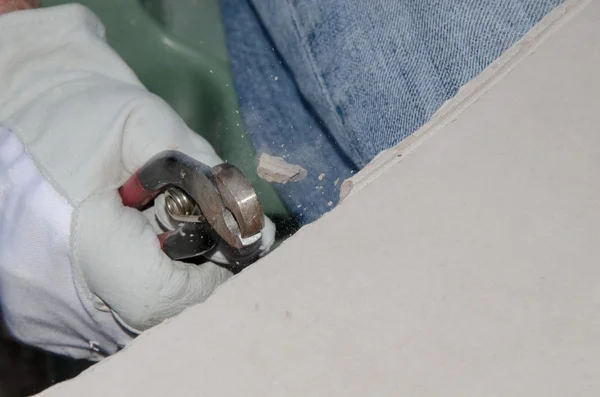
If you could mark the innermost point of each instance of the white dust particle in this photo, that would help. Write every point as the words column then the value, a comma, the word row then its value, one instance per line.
column 321, row 177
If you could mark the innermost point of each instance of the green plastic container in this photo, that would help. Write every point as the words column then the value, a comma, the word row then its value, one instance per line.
column 177, row 49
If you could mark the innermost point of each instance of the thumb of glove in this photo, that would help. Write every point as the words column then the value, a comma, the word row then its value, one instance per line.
column 127, row 269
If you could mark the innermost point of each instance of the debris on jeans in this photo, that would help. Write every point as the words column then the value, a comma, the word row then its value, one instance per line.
column 276, row 169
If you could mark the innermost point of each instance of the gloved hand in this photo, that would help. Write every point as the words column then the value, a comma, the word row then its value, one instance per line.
column 80, row 274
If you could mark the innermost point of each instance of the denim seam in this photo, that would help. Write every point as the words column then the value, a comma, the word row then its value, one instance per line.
column 321, row 84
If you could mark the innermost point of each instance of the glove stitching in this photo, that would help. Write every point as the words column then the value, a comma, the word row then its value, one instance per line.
column 41, row 167
column 77, row 272
column 126, row 127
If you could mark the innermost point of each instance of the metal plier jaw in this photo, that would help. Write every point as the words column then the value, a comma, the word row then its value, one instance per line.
column 201, row 204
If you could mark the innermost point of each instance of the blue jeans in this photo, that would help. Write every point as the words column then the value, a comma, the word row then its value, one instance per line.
column 328, row 84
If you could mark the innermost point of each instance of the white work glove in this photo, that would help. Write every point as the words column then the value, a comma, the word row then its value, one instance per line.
column 80, row 273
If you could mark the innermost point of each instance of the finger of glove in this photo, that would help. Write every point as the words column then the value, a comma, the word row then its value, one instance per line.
column 153, row 127
column 118, row 254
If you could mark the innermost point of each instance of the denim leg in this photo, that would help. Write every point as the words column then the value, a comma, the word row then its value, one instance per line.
column 372, row 72
column 278, row 120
